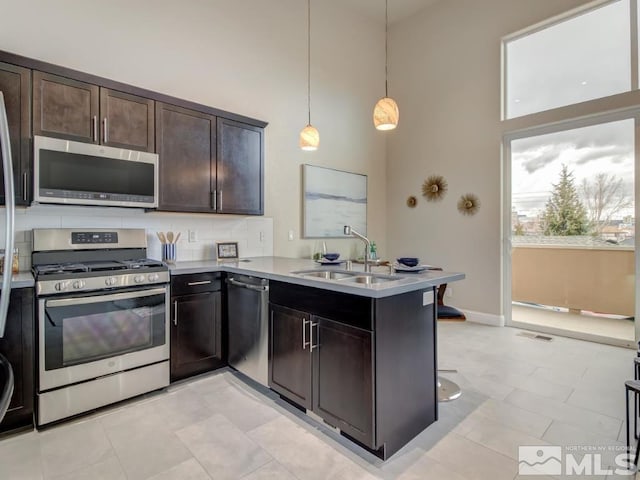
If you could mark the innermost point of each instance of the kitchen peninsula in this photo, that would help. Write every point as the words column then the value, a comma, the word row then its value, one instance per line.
column 356, row 349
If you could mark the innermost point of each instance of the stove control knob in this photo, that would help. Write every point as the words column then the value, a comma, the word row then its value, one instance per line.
column 60, row 286
column 110, row 281
column 153, row 277
column 138, row 278
column 78, row 284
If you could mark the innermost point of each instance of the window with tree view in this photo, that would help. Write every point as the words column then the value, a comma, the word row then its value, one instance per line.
column 576, row 183
column 570, row 116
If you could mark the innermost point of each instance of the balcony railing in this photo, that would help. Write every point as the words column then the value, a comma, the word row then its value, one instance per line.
column 598, row 279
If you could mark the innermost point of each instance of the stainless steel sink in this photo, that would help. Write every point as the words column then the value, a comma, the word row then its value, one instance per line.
column 347, row 277
column 369, row 279
column 326, row 274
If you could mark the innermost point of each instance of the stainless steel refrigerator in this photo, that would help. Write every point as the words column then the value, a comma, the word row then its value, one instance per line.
column 6, row 372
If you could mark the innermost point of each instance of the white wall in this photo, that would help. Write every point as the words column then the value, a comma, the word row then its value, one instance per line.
column 244, row 56
column 445, row 75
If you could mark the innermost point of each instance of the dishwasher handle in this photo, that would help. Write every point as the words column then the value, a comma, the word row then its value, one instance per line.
column 236, row 283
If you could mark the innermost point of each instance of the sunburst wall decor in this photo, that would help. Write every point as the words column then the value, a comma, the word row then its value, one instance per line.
column 468, row 204
column 434, row 188
column 412, row 201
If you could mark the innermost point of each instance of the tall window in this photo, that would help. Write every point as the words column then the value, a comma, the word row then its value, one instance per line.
column 571, row 117
column 581, row 58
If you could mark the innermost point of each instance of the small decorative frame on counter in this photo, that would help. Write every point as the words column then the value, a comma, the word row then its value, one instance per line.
column 227, row 250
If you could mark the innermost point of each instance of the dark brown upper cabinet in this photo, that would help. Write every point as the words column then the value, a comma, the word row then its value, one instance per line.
column 15, row 85
column 65, row 108
column 186, row 143
column 80, row 111
column 240, row 168
column 127, row 121
column 207, row 163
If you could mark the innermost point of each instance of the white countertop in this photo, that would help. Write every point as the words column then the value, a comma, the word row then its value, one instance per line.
column 282, row 268
column 22, row 280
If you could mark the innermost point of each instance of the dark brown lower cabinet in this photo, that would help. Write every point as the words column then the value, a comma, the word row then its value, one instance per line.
column 324, row 366
column 196, row 327
column 366, row 366
column 343, row 377
column 17, row 346
column 290, row 365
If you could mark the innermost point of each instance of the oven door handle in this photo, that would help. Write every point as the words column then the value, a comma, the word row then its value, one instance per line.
column 68, row 302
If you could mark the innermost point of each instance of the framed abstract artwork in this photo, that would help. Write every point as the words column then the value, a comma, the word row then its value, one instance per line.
column 332, row 199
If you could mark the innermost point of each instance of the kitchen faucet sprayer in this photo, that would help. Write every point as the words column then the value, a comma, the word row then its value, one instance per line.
column 367, row 245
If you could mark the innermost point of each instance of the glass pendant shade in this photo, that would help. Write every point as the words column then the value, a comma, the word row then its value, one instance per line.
column 309, row 138
column 386, row 114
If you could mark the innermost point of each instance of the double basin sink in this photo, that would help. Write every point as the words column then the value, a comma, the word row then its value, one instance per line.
column 347, row 277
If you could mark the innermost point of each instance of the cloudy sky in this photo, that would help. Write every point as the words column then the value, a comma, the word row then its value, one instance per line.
column 582, row 59
column 537, row 161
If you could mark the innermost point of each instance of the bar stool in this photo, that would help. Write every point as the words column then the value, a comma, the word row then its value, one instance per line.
column 632, row 386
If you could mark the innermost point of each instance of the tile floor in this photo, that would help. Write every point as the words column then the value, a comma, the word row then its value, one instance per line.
column 516, row 391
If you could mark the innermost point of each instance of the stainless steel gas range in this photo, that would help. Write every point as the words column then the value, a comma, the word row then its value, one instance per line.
column 102, row 321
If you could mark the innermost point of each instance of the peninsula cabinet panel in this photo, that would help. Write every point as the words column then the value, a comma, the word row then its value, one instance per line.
column 15, row 85
column 343, row 378
column 17, row 346
column 373, row 361
column 240, row 168
column 186, row 143
column 127, row 121
column 65, row 108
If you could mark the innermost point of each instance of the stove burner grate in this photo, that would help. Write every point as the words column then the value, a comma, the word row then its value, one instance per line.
column 61, row 268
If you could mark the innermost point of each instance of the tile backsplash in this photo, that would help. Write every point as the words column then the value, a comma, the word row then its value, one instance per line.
column 253, row 234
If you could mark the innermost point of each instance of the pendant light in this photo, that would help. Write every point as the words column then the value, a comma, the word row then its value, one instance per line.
column 386, row 113
column 309, row 136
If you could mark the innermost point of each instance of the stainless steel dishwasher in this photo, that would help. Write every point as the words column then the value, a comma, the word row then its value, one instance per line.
column 248, row 303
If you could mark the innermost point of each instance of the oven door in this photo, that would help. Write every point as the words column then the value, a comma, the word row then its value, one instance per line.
column 85, row 337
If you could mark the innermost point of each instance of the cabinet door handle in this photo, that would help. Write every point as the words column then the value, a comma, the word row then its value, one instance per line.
column 203, row 282
column 94, row 127
column 213, row 199
column 220, row 199
column 311, row 345
column 304, row 333
column 175, row 313
column 105, row 131
column 25, row 186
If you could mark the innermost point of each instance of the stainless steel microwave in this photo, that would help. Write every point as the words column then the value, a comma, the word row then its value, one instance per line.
column 86, row 174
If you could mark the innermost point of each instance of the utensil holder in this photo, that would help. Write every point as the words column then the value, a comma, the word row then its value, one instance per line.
column 169, row 252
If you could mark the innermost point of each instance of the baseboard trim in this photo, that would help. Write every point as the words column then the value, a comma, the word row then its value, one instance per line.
column 484, row 318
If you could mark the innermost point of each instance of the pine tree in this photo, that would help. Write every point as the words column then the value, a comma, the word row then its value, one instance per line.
column 564, row 213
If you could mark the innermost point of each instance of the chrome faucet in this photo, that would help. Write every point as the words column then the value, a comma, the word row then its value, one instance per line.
column 367, row 245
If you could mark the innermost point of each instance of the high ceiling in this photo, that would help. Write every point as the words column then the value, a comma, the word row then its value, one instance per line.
column 398, row 9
